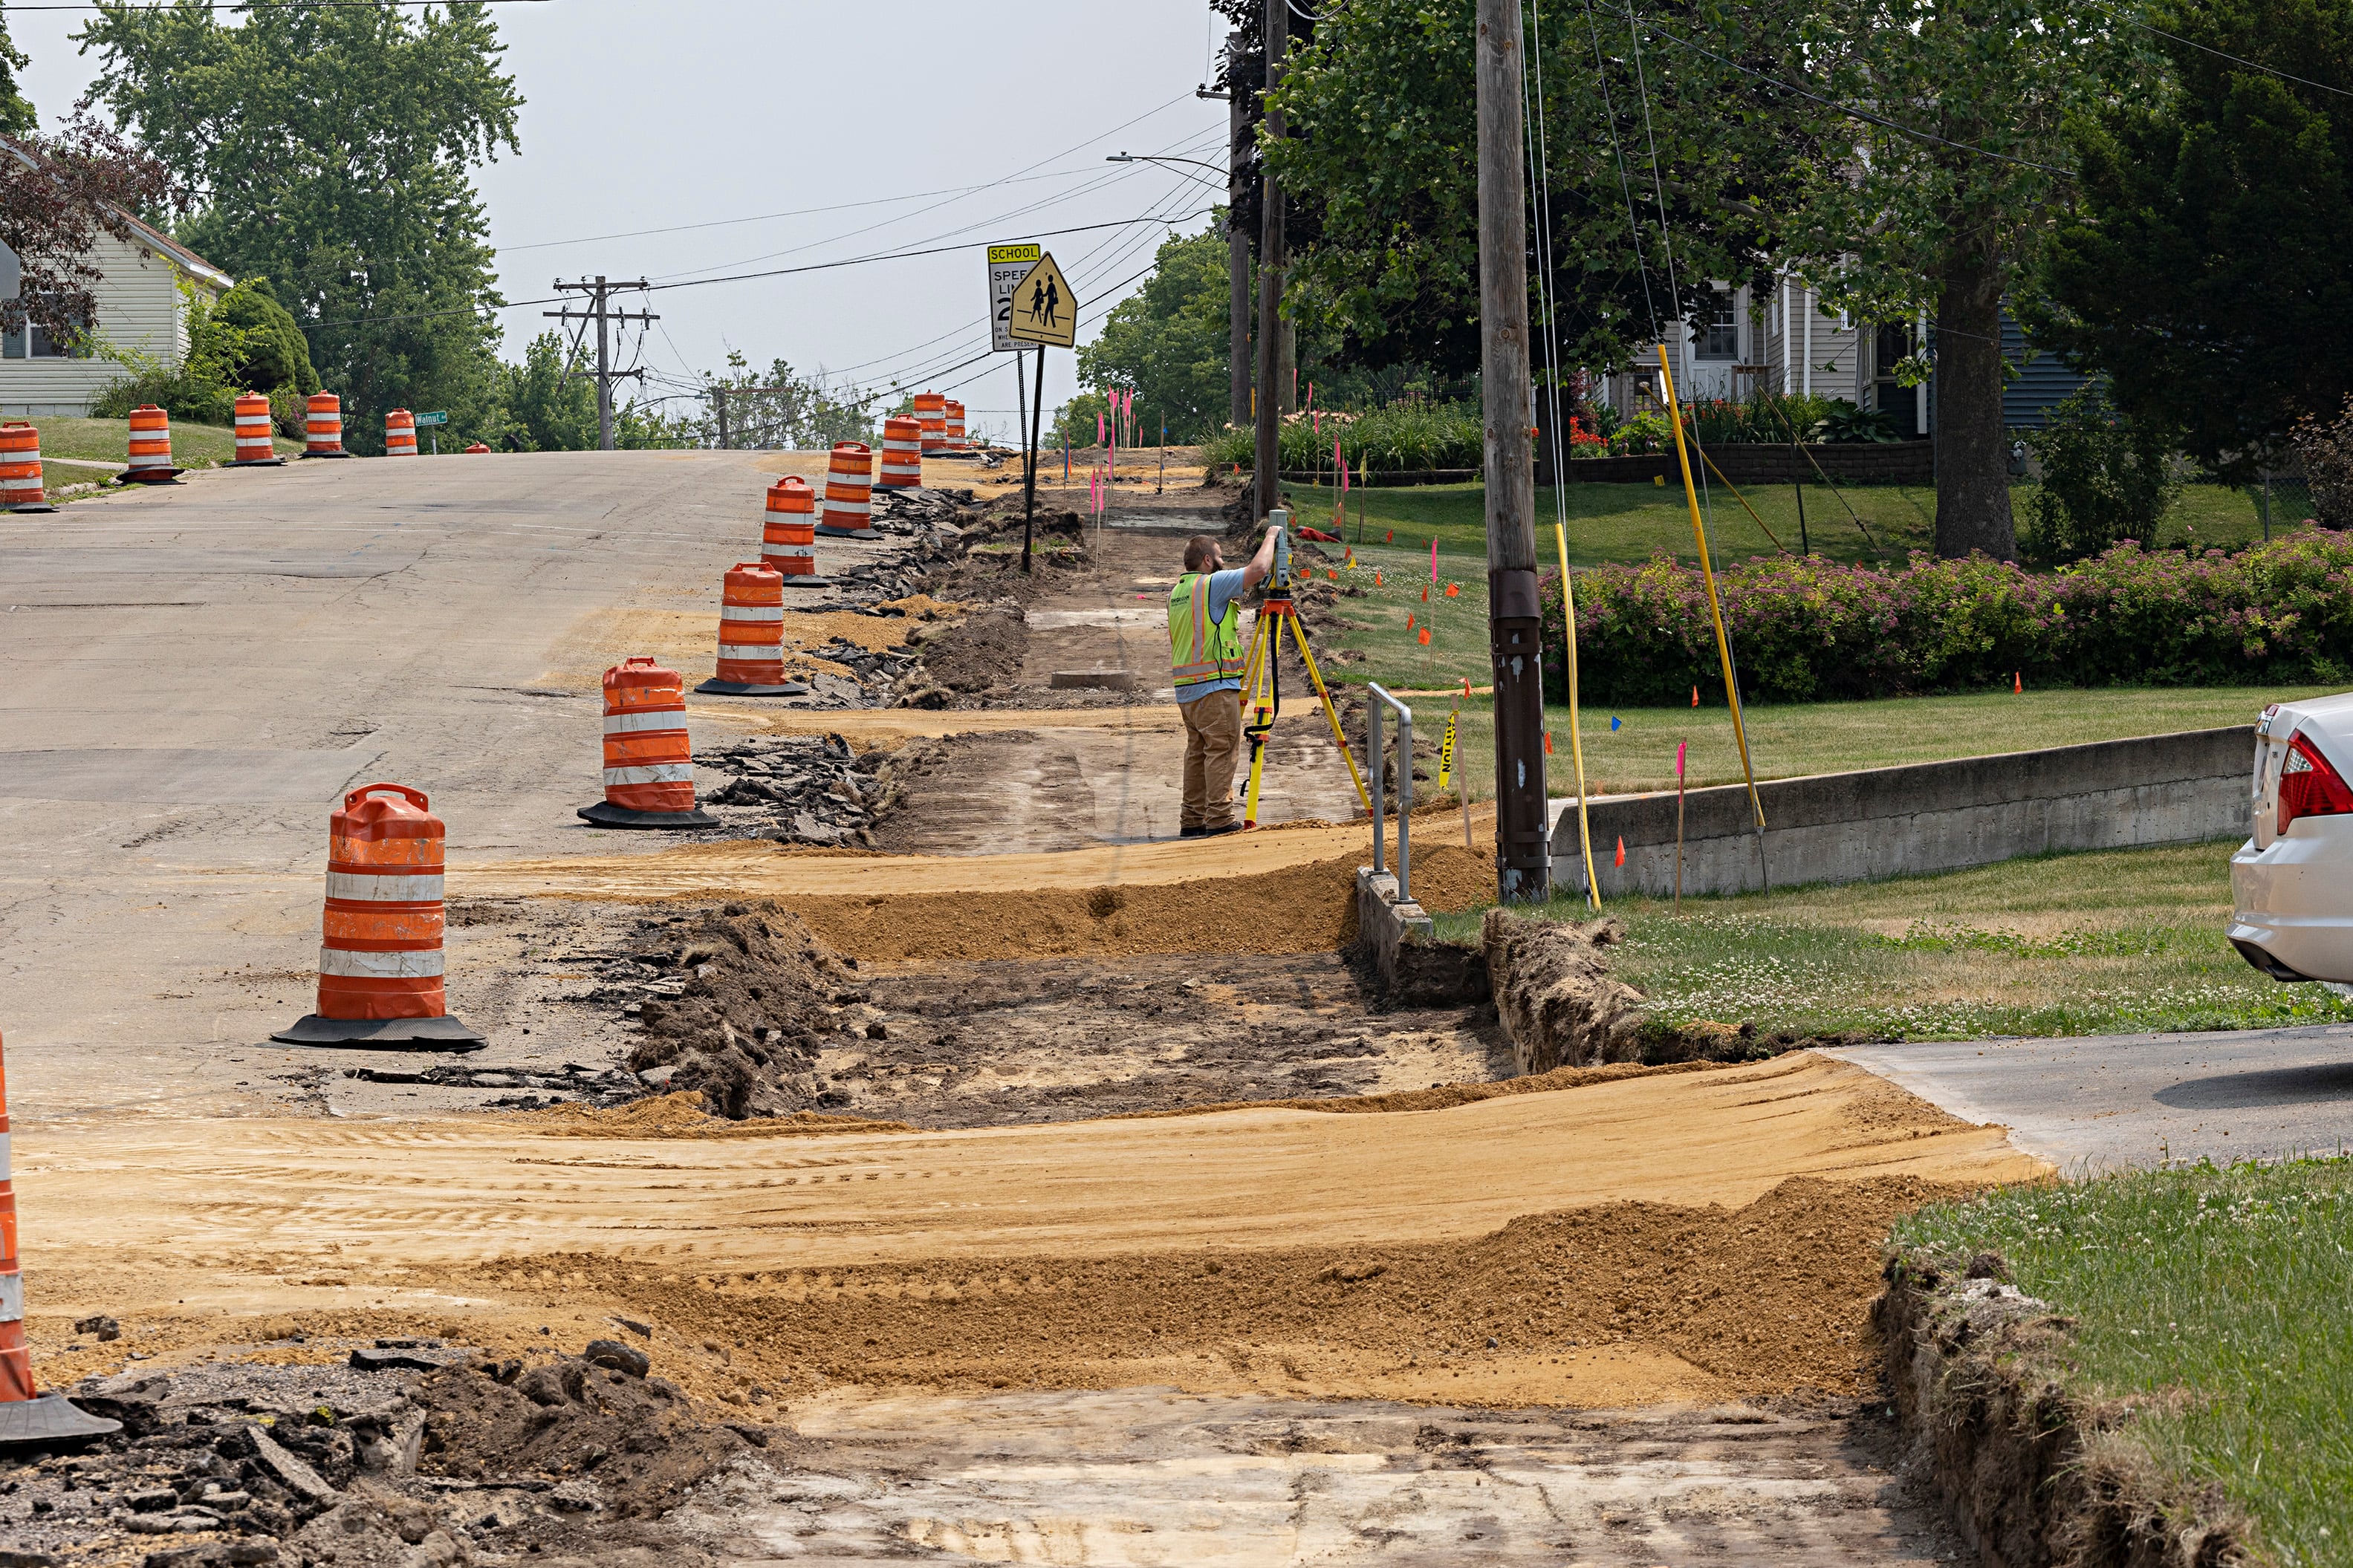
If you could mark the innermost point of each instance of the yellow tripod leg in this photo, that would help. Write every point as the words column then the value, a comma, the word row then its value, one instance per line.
column 1330, row 715
column 1258, row 669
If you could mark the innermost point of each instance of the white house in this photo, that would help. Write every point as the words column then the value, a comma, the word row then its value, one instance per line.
column 1782, row 341
column 140, row 306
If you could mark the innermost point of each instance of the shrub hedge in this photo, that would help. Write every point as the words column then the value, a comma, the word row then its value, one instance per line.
column 1809, row 630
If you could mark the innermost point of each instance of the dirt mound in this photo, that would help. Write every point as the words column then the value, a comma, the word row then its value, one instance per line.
column 1445, row 1096
column 1771, row 1298
column 683, row 1114
column 1553, row 989
column 972, row 657
column 754, row 992
column 1307, row 908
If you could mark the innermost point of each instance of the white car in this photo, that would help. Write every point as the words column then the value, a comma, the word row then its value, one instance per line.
column 2292, row 883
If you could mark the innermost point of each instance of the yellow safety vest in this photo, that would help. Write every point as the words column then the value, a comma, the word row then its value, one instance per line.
column 1200, row 649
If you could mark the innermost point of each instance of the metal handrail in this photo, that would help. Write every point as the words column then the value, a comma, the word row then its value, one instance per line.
column 1405, row 786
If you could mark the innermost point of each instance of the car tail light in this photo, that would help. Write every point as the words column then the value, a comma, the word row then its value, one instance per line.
column 2308, row 787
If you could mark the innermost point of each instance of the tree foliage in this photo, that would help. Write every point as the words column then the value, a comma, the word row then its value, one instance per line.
column 58, row 194
column 1382, row 117
column 1167, row 341
column 17, row 115
column 1960, row 167
column 2205, row 268
column 330, row 149
column 267, row 351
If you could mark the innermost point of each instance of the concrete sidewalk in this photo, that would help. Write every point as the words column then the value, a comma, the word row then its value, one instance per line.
column 2105, row 1102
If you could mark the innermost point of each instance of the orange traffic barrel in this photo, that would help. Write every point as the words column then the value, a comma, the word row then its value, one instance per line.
column 26, row 1416
column 932, row 410
column 789, row 538
column 849, row 492
column 20, row 468
column 322, row 426
column 649, row 763
column 380, row 973
column 255, row 450
column 399, row 434
column 151, row 447
column 752, row 635
column 902, row 453
column 954, row 413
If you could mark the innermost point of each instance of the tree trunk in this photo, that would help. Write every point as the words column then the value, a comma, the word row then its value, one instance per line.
column 1972, row 447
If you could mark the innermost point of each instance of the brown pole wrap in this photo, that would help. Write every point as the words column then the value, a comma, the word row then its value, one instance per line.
column 1515, row 629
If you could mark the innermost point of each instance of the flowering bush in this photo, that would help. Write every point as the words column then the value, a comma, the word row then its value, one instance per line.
column 1809, row 630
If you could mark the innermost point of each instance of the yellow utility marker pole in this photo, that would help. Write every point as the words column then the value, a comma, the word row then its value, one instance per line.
column 1575, row 736
column 1714, row 609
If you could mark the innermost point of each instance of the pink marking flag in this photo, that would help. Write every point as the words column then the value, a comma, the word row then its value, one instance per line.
column 1340, row 463
column 1434, row 561
column 1680, row 746
column 1099, row 436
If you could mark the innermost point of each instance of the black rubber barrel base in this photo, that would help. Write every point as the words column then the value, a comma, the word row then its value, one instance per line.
column 34, row 506
column 826, row 532
column 258, row 463
column 326, row 454
column 50, row 1418
column 383, row 1034
column 149, row 477
column 604, row 814
column 806, row 582
column 718, row 688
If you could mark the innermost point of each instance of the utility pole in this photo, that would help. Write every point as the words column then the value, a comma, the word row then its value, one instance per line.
column 1238, row 256
column 1267, row 481
column 600, row 311
column 719, row 406
column 1522, row 848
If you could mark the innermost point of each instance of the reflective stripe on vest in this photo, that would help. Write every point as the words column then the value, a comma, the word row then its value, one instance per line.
column 1198, row 649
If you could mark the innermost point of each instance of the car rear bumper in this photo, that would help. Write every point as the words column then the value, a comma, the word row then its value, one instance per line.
column 2292, row 902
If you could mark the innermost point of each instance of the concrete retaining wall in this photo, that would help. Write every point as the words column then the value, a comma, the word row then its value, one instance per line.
column 1930, row 816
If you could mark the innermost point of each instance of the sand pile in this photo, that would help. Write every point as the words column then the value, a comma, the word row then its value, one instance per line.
column 1308, row 908
column 1766, row 1300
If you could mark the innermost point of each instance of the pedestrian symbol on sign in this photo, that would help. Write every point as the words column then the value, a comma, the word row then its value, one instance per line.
column 1044, row 309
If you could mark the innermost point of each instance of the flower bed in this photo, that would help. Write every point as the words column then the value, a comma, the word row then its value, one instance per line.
column 1809, row 630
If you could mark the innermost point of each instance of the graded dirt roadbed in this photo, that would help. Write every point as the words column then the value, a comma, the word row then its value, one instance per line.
column 473, row 1220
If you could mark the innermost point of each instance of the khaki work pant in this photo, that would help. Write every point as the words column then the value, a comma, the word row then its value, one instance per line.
column 1213, row 745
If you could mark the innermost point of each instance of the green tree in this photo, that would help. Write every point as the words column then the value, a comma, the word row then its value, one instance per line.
column 268, row 350
column 2204, row 267
column 330, row 149
column 1956, row 181
column 16, row 114
column 1382, row 154
column 538, row 407
column 1167, row 341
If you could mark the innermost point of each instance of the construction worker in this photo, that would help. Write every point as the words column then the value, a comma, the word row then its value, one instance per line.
column 1205, row 647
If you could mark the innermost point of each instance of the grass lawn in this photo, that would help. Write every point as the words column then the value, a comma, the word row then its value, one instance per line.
column 2216, row 1301
column 108, row 441
column 2106, row 942
column 1628, row 522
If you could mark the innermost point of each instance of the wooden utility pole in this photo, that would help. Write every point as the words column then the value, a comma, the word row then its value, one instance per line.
column 719, row 406
column 1238, row 264
column 600, row 311
column 1267, row 481
column 1523, row 846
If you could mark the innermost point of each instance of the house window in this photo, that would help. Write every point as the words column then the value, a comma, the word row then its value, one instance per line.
column 1719, row 335
column 34, row 340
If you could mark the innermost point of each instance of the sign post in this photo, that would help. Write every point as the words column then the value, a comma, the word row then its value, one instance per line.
column 1008, row 265
column 1044, row 312
column 434, row 420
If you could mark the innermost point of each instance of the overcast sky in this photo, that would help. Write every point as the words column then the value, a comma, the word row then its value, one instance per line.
column 645, row 114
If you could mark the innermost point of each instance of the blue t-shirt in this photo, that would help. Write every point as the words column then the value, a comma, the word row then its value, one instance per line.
column 1223, row 587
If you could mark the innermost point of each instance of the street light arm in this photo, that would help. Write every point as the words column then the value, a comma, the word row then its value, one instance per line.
column 1149, row 158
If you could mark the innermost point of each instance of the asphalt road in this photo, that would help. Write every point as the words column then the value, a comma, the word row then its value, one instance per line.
column 2114, row 1101
column 191, row 675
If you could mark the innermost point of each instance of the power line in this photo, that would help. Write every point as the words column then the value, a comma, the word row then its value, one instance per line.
column 741, row 277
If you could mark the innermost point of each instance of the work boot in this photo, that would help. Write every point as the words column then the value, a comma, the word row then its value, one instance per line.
column 1220, row 832
column 1194, row 832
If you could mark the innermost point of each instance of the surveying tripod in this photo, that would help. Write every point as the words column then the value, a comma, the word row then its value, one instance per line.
column 1262, row 675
